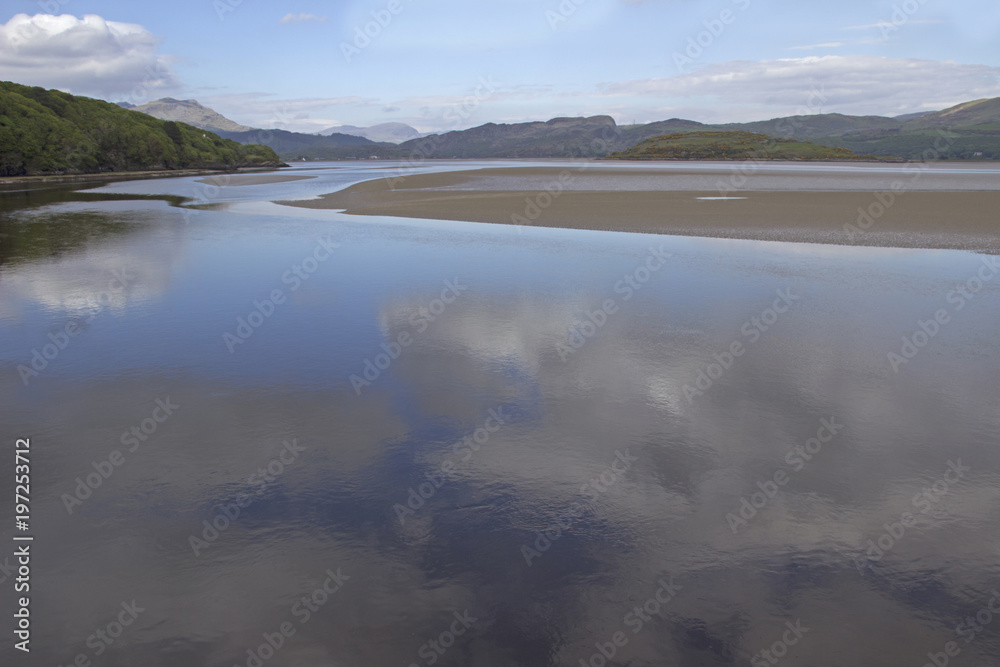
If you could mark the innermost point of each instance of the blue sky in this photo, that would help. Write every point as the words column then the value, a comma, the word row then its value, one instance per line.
column 445, row 64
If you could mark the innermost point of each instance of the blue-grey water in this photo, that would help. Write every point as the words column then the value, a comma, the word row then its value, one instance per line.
column 262, row 435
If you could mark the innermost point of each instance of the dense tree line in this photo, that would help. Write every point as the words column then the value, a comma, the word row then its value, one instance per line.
column 715, row 145
column 51, row 132
column 961, row 143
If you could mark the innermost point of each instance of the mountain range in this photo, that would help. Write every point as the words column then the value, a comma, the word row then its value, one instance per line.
column 297, row 143
column 197, row 115
column 282, row 141
column 47, row 131
column 972, row 132
column 966, row 131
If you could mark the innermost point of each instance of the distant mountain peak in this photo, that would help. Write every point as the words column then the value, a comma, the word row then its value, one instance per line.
column 192, row 113
column 388, row 132
column 569, row 120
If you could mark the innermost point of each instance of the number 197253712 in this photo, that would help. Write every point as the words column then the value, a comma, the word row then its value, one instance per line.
column 22, row 478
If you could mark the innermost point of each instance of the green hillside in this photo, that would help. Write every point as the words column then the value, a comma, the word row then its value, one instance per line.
column 969, row 131
column 51, row 132
column 977, row 142
column 817, row 125
column 966, row 114
column 731, row 146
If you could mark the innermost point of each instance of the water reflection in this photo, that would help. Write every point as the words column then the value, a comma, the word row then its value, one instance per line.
column 604, row 480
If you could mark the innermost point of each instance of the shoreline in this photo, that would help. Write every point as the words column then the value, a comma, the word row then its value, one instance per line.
column 931, row 219
column 128, row 175
column 761, row 158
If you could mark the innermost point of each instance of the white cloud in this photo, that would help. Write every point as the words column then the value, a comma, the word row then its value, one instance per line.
column 852, row 84
column 302, row 18
column 824, row 45
column 88, row 56
column 890, row 24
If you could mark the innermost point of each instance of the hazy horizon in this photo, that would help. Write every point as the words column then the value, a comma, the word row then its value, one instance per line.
column 527, row 120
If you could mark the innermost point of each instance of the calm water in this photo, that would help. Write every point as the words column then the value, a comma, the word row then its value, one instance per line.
column 372, row 441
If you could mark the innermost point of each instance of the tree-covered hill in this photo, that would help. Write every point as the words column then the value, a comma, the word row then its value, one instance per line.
column 293, row 143
column 731, row 146
column 51, row 132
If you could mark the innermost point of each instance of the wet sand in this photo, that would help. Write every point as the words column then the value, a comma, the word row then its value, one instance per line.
column 907, row 218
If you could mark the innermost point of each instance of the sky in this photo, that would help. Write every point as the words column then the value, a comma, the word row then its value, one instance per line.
column 306, row 65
